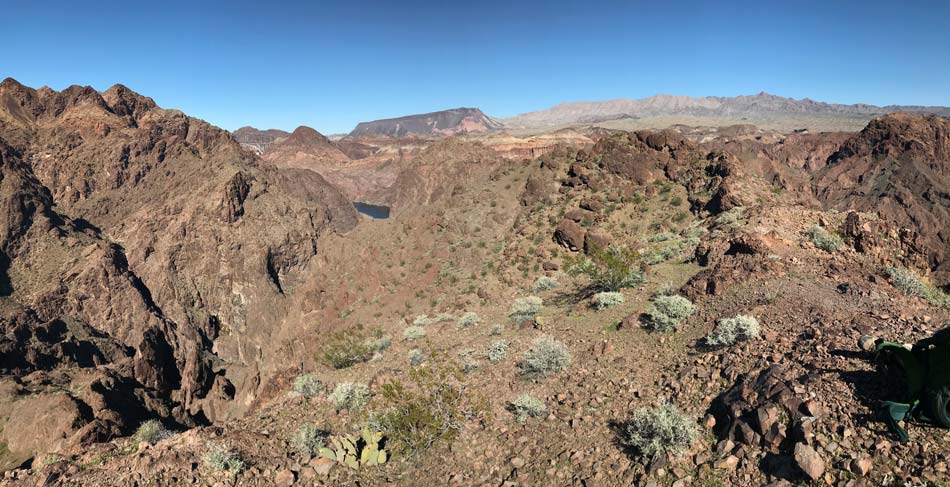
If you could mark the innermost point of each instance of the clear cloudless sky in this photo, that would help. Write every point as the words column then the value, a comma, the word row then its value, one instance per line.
column 332, row 64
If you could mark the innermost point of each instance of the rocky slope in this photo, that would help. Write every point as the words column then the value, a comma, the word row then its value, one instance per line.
column 163, row 254
column 724, row 218
column 441, row 123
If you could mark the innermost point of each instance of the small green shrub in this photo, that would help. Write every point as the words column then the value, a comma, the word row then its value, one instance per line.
column 527, row 406
column 220, row 457
column 430, row 410
column 666, row 313
column 346, row 348
column 468, row 361
column 911, row 284
column 416, row 357
column 524, row 309
column 546, row 356
column 732, row 217
column 496, row 330
column 662, row 237
column 544, row 283
column 468, row 319
column 824, row 240
column 604, row 300
column 151, row 432
column 351, row 396
column 609, row 269
column 308, row 385
column 307, row 440
column 414, row 332
column 731, row 330
column 659, row 431
column 423, row 320
column 497, row 350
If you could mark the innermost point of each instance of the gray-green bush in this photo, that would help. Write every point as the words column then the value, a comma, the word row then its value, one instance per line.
column 654, row 432
column 527, row 406
column 544, row 283
column 732, row 330
column 414, row 332
column 351, row 396
column 825, row 240
column 604, row 300
column 546, row 356
column 308, row 439
column 524, row 309
column 497, row 350
column 222, row 458
column 667, row 312
column 308, row 385
column 911, row 284
column 151, row 432
column 468, row 319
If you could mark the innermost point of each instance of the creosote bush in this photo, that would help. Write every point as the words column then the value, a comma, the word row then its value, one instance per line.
column 527, row 406
column 308, row 385
column 222, row 458
column 604, row 300
column 351, row 396
column 413, row 332
column 524, row 309
column 468, row 319
column 609, row 269
column 654, row 432
column 307, row 440
column 151, row 432
column 825, row 240
column 666, row 313
column 430, row 409
column 497, row 350
column 732, row 330
column 546, row 356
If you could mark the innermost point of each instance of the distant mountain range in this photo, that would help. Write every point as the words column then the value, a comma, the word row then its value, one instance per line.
column 763, row 109
column 753, row 106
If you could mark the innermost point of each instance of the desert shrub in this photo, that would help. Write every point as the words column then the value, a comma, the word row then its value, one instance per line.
column 527, row 406
column 467, row 360
column 911, row 284
column 307, row 440
column 346, row 348
column 431, row 409
column 731, row 330
column 546, row 356
column 151, row 432
column 605, row 300
column 732, row 217
column 222, row 458
column 496, row 330
column 497, row 350
column 468, row 319
column 609, row 269
column 416, row 357
column 442, row 317
column 524, row 309
column 423, row 320
column 378, row 342
column 544, row 283
column 662, row 237
column 666, row 313
column 307, row 385
column 413, row 332
column 824, row 240
column 351, row 396
column 654, row 432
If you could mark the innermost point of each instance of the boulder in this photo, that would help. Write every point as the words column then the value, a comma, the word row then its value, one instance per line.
column 570, row 235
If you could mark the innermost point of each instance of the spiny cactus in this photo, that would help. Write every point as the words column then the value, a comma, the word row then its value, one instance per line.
column 355, row 451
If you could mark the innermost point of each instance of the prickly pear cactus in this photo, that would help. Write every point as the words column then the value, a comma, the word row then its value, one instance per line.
column 346, row 449
column 371, row 454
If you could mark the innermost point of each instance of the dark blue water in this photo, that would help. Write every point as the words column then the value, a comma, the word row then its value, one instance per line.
column 373, row 211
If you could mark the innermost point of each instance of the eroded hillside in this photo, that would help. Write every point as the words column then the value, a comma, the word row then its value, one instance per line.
column 467, row 309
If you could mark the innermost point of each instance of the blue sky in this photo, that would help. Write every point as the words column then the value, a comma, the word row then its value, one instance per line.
column 331, row 65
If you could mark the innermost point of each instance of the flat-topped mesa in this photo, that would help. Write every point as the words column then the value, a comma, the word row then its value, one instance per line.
column 441, row 123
